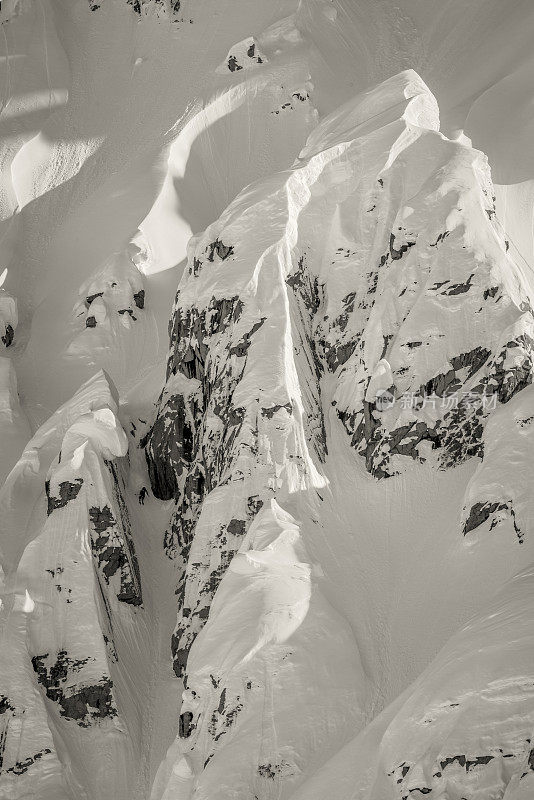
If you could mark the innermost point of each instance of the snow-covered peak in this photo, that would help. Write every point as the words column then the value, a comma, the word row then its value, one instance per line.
column 404, row 98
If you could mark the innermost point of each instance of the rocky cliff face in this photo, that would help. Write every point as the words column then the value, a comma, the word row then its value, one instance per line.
column 281, row 550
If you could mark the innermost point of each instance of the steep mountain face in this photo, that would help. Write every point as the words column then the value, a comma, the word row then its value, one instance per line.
column 281, row 334
column 66, row 527
column 276, row 539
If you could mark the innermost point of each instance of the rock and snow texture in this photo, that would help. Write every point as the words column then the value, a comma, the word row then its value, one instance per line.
column 66, row 546
column 274, row 539
column 271, row 641
column 280, row 334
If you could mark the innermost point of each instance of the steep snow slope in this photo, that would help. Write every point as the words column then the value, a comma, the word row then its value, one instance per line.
column 244, row 560
column 464, row 729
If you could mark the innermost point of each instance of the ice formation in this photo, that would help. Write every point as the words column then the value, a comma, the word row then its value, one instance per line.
column 267, row 341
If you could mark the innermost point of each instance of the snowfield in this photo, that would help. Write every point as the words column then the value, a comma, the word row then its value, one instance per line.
column 266, row 403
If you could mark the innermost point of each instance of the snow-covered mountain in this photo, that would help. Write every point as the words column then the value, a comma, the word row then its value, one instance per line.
column 274, row 539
